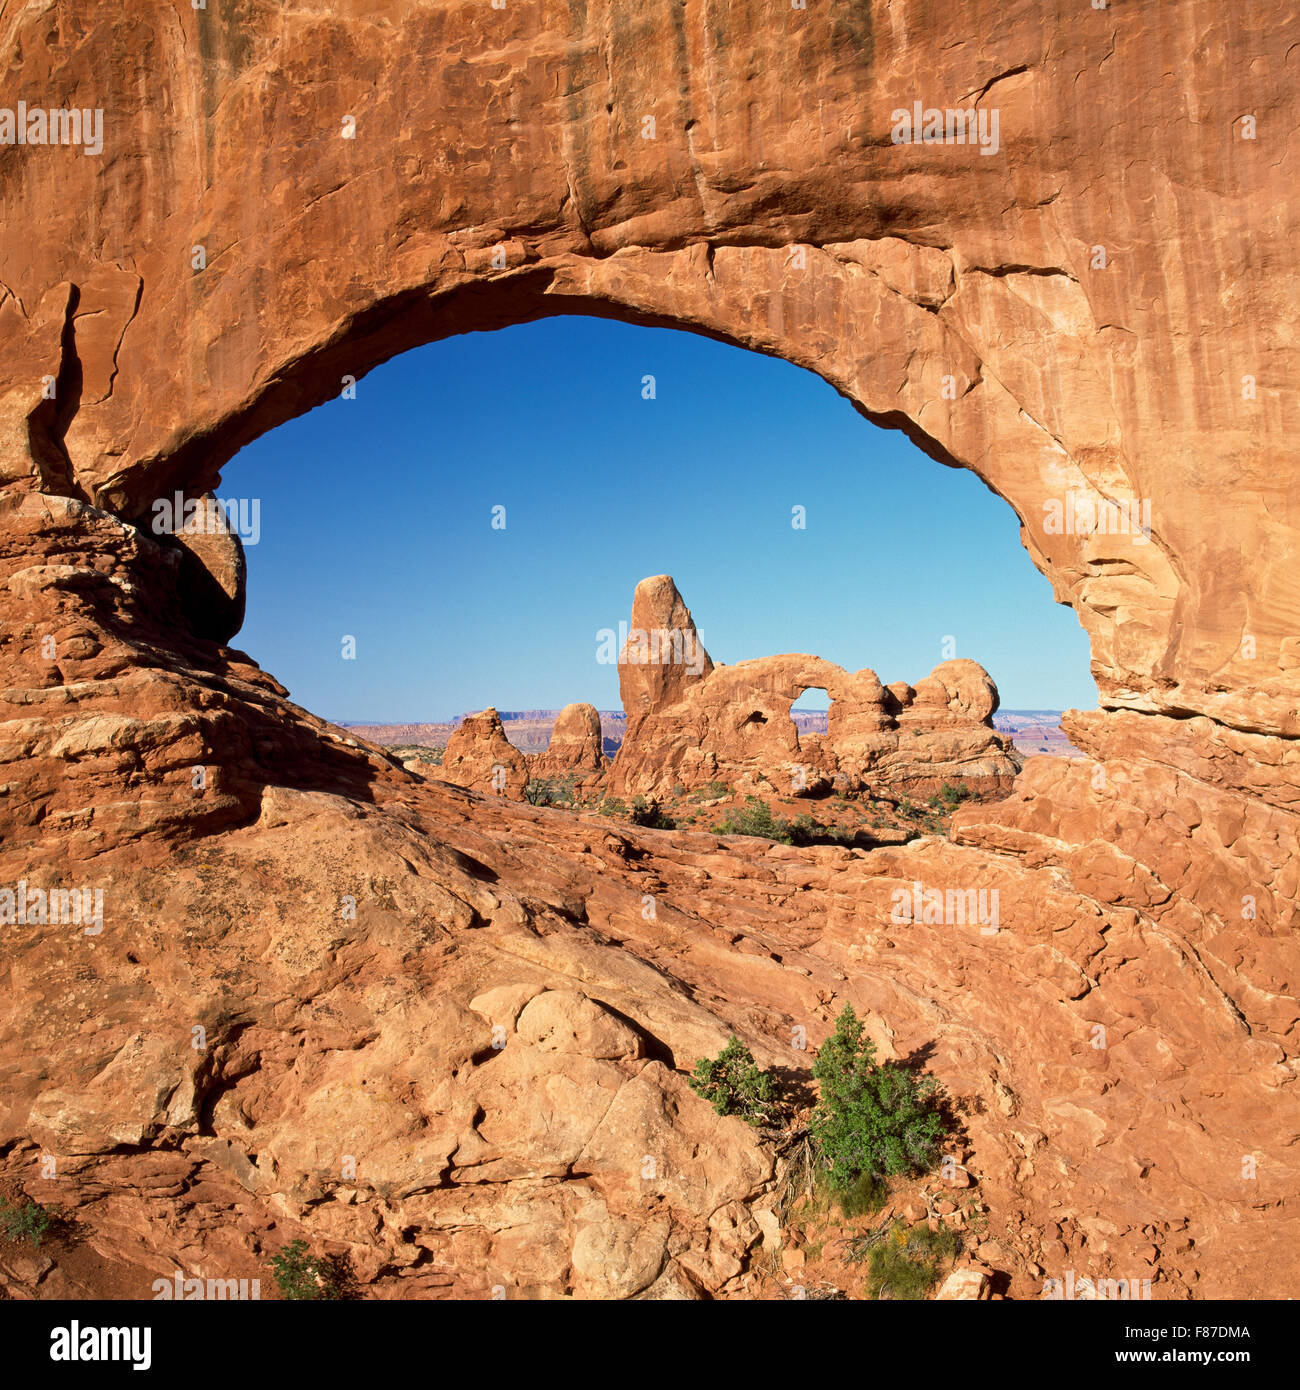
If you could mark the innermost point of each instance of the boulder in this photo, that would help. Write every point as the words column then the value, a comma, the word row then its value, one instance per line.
column 964, row 1285
column 576, row 750
column 479, row 756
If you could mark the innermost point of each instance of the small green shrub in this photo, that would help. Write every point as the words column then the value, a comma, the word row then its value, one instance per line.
column 734, row 1085
column 863, row 1197
column 613, row 806
column 953, row 796
column 713, row 792
column 872, row 1118
column 27, row 1220
column 905, row 1264
column 302, row 1276
column 549, row 791
column 755, row 818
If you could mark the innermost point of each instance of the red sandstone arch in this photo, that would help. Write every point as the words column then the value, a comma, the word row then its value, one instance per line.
column 498, row 172
column 512, row 179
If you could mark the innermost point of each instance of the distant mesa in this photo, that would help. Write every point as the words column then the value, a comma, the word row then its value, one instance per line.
column 690, row 723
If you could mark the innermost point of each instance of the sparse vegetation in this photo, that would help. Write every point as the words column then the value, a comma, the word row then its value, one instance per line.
column 873, row 1119
column 756, row 818
column 905, row 1263
column 301, row 1276
column 419, row 753
column 863, row 1197
column 25, row 1220
column 950, row 797
column 734, row 1085
column 715, row 791
column 549, row 791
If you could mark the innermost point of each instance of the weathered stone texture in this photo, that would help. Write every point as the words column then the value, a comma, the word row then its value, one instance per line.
column 330, row 920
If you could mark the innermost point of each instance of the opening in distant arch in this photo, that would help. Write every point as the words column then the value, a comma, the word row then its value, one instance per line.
column 810, row 713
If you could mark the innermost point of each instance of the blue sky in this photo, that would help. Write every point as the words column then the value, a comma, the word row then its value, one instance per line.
column 376, row 522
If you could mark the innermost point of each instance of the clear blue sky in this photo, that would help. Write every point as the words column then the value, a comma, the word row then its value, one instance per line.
column 376, row 522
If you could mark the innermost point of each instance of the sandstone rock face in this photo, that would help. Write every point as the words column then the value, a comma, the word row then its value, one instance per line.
column 663, row 656
column 576, row 750
column 690, row 723
column 1001, row 337
column 438, row 1034
column 1096, row 320
column 478, row 755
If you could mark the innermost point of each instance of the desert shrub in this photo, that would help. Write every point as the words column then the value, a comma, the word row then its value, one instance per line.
column 950, row 797
column 755, row 818
column 734, row 1085
column 713, row 792
column 872, row 1118
column 905, row 1264
column 804, row 830
column 549, row 791
column 303, row 1276
column 25, row 1220
column 953, row 796
column 862, row 1197
column 649, row 813
column 613, row 806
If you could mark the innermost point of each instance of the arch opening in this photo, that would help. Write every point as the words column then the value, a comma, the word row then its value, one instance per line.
column 543, row 502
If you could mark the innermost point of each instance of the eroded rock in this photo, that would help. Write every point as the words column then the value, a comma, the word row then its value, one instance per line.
column 479, row 756
column 690, row 723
